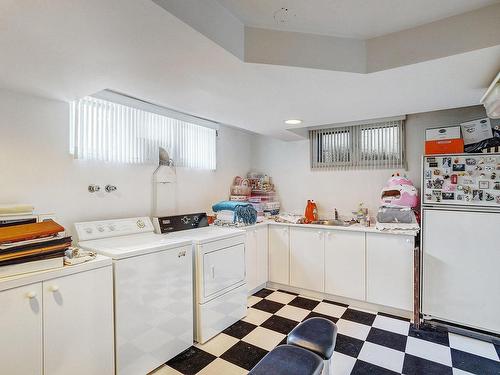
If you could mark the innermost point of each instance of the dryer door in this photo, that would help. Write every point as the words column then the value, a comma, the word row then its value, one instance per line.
column 223, row 270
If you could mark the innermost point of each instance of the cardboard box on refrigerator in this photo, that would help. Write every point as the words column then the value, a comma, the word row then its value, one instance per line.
column 443, row 141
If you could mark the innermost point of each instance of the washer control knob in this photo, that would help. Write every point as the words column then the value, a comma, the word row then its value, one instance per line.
column 141, row 224
column 186, row 220
column 88, row 230
column 100, row 228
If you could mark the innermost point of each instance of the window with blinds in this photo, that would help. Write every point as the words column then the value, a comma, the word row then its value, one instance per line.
column 113, row 132
column 375, row 145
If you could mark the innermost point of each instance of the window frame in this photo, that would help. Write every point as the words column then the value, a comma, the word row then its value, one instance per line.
column 146, row 128
column 359, row 159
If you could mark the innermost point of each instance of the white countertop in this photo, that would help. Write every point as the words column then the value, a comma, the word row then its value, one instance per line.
column 35, row 277
column 350, row 228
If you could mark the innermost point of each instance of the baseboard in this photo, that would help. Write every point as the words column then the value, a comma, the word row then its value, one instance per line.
column 363, row 305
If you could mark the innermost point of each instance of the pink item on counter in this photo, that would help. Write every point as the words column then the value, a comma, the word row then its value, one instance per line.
column 399, row 192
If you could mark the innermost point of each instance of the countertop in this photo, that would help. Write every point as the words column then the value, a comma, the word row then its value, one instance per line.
column 350, row 228
column 35, row 277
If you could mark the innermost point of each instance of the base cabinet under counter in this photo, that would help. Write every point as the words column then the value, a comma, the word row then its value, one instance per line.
column 367, row 266
column 307, row 259
column 389, row 270
column 279, row 254
column 59, row 325
column 256, row 257
column 345, row 264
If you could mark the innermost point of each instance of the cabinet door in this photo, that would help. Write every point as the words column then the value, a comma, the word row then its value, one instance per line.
column 78, row 323
column 21, row 330
column 279, row 254
column 251, row 259
column 307, row 258
column 262, row 255
column 389, row 270
column 345, row 264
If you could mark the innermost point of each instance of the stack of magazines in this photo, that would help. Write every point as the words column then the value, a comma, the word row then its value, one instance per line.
column 32, row 247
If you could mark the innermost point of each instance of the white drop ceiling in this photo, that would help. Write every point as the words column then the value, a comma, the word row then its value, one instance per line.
column 67, row 49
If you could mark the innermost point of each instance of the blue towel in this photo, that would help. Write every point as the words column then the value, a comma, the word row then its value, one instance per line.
column 228, row 205
column 243, row 211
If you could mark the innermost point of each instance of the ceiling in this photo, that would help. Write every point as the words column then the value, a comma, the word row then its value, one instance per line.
column 72, row 48
column 360, row 19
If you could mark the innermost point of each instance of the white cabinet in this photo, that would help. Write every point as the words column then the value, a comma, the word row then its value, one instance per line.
column 256, row 257
column 58, row 322
column 78, row 323
column 262, row 255
column 345, row 264
column 307, row 259
column 21, row 330
column 389, row 266
column 279, row 254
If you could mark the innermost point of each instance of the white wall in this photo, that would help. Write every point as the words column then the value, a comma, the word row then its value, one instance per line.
column 288, row 164
column 36, row 168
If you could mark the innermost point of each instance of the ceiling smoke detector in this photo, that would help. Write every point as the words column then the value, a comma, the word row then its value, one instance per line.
column 282, row 16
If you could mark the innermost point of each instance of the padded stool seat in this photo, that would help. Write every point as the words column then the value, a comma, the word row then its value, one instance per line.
column 315, row 334
column 288, row 360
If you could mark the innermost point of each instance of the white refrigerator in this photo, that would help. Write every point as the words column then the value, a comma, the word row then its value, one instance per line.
column 461, row 240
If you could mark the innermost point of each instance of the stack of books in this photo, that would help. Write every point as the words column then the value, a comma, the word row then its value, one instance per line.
column 32, row 247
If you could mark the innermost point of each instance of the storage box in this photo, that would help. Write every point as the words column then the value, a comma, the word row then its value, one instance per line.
column 476, row 131
column 444, row 146
column 451, row 132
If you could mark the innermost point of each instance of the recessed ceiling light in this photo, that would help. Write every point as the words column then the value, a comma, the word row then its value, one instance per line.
column 293, row 122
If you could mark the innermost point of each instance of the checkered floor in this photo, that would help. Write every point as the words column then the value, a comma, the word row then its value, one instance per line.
column 367, row 342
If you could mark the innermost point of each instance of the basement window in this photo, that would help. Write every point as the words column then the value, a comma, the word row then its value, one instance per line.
column 115, row 128
column 380, row 144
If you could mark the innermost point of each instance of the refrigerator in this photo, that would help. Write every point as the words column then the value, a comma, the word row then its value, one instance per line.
column 461, row 240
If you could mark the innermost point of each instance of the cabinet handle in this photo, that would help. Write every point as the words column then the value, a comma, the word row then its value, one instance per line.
column 53, row 288
column 181, row 254
column 31, row 295
column 320, row 233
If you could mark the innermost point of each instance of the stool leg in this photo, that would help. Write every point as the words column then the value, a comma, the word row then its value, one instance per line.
column 327, row 366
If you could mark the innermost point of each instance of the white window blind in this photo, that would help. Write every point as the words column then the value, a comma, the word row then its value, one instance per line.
column 112, row 132
column 375, row 145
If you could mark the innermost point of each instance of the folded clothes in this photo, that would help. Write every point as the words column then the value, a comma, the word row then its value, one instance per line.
column 225, row 215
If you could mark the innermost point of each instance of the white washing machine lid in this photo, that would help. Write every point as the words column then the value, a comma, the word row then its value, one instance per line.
column 137, row 244
column 205, row 234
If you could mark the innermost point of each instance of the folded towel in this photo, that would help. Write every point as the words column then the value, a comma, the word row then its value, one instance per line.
column 228, row 205
column 243, row 211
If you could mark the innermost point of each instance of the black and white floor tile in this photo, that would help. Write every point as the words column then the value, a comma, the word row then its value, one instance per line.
column 367, row 342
